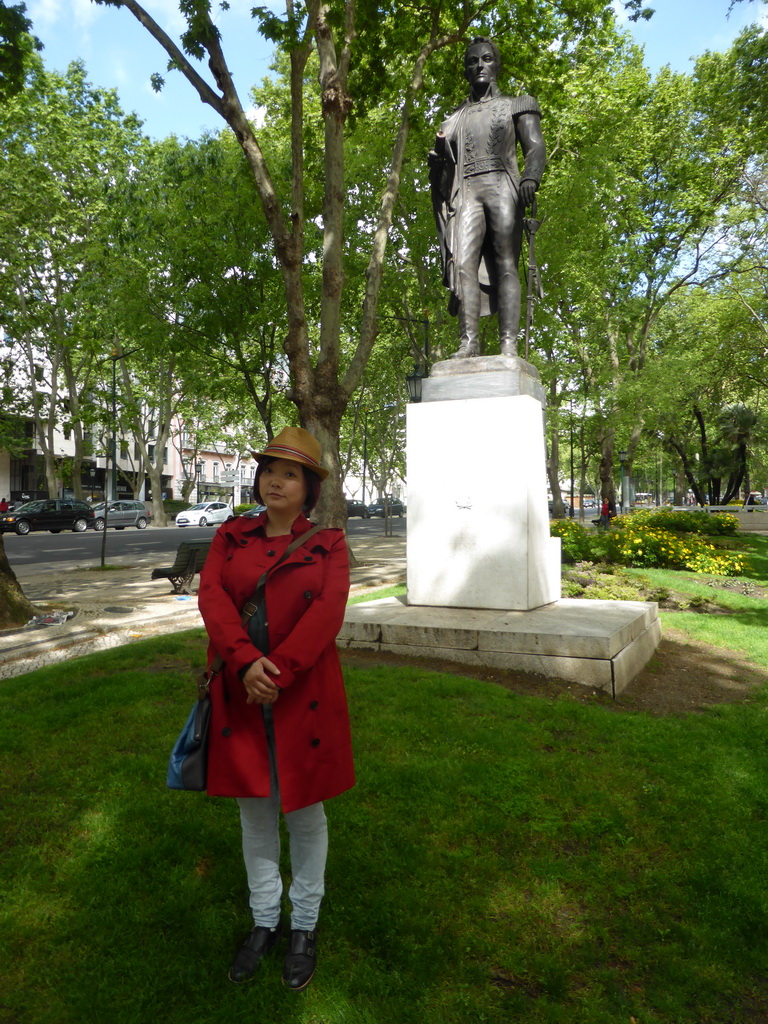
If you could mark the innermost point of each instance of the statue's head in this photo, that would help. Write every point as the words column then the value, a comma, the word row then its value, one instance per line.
column 482, row 62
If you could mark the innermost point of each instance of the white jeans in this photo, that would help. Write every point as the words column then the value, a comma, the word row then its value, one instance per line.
column 308, row 832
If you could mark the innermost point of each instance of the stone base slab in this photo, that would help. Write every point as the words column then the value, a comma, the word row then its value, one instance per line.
column 482, row 377
column 603, row 644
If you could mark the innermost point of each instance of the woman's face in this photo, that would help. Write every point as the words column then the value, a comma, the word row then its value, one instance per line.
column 282, row 487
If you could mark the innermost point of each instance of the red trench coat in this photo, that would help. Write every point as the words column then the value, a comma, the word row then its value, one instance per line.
column 306, row 597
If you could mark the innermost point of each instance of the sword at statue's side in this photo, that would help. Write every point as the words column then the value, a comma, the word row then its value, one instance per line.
column 535, row 289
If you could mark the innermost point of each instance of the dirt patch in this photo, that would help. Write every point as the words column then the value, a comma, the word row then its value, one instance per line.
column 681, row 678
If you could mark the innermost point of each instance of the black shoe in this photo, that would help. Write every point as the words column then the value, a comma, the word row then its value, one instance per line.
column 249, row 956
column 300, row 960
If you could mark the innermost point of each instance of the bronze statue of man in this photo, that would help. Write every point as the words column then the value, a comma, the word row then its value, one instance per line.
column 479, row 198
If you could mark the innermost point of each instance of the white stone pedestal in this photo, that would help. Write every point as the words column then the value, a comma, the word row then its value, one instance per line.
column 478, row 520
column 480, row 558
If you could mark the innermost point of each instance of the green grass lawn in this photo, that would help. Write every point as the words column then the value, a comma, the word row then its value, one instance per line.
column 502, row 859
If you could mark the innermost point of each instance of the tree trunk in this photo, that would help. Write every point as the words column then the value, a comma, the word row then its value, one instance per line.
column 607, row 489
column 317, row 391
column 553, row 473
column 687, row 471
column 681, row 486
column 331, row 510
column 15, row 609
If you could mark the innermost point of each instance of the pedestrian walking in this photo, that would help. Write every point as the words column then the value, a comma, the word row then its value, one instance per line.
column 605, row 518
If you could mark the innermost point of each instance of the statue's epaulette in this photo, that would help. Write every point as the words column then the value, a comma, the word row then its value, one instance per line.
column 524, row 105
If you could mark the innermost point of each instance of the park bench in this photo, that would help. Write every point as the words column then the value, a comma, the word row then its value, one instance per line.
column 190, row 559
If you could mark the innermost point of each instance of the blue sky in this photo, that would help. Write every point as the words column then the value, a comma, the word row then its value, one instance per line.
column 119, row 53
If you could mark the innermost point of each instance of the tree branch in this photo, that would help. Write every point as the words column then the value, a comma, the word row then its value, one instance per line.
column 204, row 91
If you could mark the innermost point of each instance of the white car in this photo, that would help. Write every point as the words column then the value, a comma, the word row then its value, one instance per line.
column 207, row 513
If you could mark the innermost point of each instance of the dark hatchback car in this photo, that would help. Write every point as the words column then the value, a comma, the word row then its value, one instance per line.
column 48, row 514
column 393, row 508
column 357, row 508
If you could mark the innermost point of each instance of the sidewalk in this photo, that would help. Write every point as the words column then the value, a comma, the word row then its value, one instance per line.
column 124, row 604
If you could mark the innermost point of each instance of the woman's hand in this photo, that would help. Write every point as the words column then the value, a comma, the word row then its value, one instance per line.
column 258, row 685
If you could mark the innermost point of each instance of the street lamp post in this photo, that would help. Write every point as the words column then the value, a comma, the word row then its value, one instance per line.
column 622, row 460
column 113, row 445
column 572, row 509
column 200, row 470
column 112, row 449
column 365, row 450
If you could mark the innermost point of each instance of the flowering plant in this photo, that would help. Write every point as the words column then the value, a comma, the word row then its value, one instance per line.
column 718, row 524
column 633, row 542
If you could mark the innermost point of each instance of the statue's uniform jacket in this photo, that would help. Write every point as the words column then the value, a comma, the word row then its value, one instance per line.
column 488, row 140
column 306, row 597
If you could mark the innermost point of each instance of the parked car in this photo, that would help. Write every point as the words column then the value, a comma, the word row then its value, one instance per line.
column 207, row 513
column 48, row 514
column 357, row 508
column 121, row 514
column 377, row 508
column 251, row 513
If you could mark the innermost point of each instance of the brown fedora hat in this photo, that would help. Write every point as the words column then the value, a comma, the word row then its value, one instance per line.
column 297, row 445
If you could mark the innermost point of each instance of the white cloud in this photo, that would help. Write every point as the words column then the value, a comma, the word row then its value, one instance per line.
column 85, row 12
column 620, row 13
column 256, row 116
column 742, row 15
column 45, row 12
column 167, row 13
column 121, row 73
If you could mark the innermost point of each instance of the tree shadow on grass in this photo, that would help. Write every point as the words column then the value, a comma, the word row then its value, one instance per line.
column 497, row 861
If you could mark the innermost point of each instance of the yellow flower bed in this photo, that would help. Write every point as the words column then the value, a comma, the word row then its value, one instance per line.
column 695, row 520
column 666, row 549
column 636, row 543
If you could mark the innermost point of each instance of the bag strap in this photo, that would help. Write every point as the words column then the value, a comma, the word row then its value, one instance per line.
column 251, row 606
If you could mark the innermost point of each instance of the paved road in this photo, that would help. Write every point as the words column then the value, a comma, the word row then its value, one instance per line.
column 46, row 548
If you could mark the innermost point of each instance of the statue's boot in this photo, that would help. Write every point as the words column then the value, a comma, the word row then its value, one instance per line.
column 466, row 349
column 509, row 312
column 469, row 316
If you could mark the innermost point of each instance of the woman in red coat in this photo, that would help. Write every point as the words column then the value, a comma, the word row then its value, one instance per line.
column 279, row 735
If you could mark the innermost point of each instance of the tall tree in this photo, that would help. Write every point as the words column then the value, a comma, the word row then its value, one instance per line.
column 17, row 48
column 370, row 55
column 636, row 192
column 63, row 146
column 201, row 305
column 15, row 608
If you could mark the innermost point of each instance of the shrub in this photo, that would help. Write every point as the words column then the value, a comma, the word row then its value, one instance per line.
column 666, row 549
column 173, row 506
column 572, row 589
column 634, row 543
column 696, row 521
column 601, row 583
column 575, row 540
